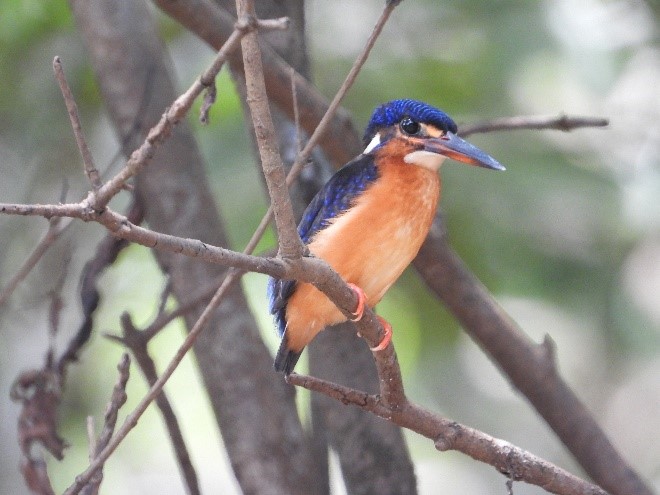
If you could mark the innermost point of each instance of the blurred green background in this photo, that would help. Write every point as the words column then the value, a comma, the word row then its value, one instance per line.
column 568, row 239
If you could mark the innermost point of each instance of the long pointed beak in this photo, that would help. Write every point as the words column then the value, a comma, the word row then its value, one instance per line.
column 456, row 148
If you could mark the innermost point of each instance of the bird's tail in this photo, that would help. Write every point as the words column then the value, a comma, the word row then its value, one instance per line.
column 286, row 359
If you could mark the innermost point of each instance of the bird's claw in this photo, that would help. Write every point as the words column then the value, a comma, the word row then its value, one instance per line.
column 357, row 316
column 386, row 339
column 359, row 311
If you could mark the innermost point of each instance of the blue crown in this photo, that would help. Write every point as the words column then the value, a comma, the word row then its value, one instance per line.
column 394, row 111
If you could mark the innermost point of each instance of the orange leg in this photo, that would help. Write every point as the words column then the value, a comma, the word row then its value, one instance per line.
column 388, row 336
column 359, row 311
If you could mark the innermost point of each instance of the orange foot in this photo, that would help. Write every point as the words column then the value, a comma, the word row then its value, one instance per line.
column 388, row 336
column 359, row 311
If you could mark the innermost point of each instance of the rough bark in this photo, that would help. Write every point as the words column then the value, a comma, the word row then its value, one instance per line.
column 254, row 409
column 372, row 452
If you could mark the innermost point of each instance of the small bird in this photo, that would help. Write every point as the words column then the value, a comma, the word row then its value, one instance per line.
column 370, row 219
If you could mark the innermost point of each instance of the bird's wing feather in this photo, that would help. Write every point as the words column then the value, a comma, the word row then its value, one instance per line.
column 337, row 195
column 333, row 199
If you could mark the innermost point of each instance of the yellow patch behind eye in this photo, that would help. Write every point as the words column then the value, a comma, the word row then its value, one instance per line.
column 432, row 130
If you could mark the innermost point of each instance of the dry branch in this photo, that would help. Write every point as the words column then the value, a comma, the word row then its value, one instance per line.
column 117, row 400
column 137, row 341
column 290, row 245
column 564, row 123
column 508, row 459
column 55, row 229
column 88, row 161
column 529, row 366
column 214, row 25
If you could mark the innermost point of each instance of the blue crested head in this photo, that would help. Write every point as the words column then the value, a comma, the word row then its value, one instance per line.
column 394, row 111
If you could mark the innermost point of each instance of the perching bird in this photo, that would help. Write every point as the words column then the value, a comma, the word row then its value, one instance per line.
column 370, row 219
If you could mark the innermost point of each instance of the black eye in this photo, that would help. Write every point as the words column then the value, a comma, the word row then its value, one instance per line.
column 410, row 127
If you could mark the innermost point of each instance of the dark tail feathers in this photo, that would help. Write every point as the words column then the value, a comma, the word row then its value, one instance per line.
column 286, row 359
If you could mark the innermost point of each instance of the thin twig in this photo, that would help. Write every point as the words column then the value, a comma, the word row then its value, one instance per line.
column 564, row 123
column 55, row 228
column 296, row 112
column 329, row 115
column 131, row 420
column 91, row 438
column 121, row 227
column 214, row 25
column 159, row 133
column 137, row 341
column 88, row 160
column 117, row 400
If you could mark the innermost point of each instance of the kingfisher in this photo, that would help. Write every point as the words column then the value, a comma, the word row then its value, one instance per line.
column 370, row 219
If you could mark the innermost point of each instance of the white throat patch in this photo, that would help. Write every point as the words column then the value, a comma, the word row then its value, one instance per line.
column 374, row 142
column 425, row 159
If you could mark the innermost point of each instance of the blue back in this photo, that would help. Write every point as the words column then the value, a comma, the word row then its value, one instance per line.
column 333, row 199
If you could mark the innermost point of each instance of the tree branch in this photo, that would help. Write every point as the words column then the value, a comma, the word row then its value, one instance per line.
column 564, row 123
column 88, row 161
column 55, row 229
column 136, row 341
column 117, row 400
column 290, row 245
column 213, row 24
column 251, row 414
column 528, row 365
column 508, row 459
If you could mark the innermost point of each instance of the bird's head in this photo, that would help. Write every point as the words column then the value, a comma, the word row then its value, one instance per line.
column 422, row 135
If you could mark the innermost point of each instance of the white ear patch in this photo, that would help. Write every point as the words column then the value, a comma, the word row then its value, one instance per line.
column 374, row 142
column 425, row 159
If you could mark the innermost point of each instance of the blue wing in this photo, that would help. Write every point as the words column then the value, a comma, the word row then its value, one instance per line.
column 333, row 199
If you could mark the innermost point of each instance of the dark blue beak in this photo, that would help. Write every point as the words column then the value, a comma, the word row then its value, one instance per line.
column 456, row 148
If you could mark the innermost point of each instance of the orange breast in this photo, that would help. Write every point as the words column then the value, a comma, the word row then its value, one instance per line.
column 369, row 246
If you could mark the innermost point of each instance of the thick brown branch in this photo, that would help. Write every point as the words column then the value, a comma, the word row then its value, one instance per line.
column 528, row 365
column 508, row 459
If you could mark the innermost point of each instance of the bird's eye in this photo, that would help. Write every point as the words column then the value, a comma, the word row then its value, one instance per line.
column 410, row 127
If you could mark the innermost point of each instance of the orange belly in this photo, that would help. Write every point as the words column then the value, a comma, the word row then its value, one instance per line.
column 370, row 246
